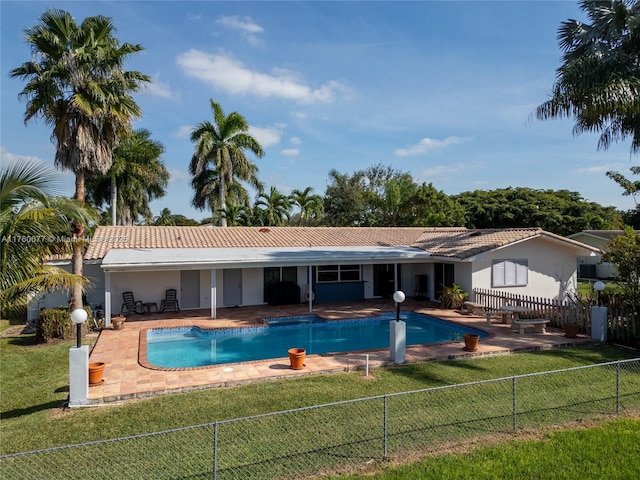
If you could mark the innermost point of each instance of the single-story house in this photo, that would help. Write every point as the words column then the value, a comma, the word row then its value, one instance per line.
column 213, row 267
column 590, row 266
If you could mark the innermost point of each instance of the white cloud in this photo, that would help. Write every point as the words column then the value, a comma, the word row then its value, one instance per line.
column 245, row 25
column 295, row 141
column 158, row 89
column 225, row 73
column 184, row 131
column 178, row 175
column 290, row 152
column 266, row 137
column 602, row 168
column 427, row 144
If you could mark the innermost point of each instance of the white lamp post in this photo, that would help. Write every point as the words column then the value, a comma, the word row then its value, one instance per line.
column 599, row 316
column 398, row 332
column 78, row 364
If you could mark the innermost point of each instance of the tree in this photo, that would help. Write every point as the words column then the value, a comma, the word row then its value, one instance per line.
column 222, row 145
column 77, row 84
column 557, row 211
column 207, row 194
column 277, row 207
column 624, row 252
column 383, row 196
column 33, row 227
column 165, row 219
column 136, row 177
column 311, row 206
column 598, row 82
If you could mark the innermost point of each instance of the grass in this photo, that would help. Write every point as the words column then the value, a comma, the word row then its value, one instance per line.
column 34, row 383
column 610, row 450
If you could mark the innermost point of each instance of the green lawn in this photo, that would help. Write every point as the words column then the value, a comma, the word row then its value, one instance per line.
column 34, row 383
column 610, row 450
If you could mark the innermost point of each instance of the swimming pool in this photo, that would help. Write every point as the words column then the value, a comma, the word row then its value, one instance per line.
column 189, row 347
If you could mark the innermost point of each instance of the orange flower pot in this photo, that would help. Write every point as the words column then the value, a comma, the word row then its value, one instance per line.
column 471, row 342
column 296, row 358
column 96, row 370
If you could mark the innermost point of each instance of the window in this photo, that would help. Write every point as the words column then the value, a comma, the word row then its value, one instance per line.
column 338, row 273
column 510, row 273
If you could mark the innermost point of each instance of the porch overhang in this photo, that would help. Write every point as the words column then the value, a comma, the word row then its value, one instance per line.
column 121, row 260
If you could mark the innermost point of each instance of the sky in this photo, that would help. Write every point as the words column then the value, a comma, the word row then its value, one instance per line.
column 443, row 90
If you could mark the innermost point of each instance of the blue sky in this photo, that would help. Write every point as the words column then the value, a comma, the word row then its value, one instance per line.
column 443, row 90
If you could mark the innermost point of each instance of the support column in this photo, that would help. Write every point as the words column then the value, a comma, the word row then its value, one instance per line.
column 107, row 298
column 310, row 287
column 214, row 293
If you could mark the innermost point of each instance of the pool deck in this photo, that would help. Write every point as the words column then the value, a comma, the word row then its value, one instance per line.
column 126, row 377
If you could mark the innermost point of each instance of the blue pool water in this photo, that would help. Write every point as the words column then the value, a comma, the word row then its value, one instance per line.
column 195, row 347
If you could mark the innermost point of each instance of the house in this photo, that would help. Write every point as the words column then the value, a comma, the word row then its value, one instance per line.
column 213, row 267
column 593, row 266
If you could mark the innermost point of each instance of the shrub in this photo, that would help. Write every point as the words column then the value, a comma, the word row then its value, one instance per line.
column 453, row 297
column 56, row 323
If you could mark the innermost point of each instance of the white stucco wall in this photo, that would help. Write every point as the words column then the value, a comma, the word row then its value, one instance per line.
column 146, row 286
column 552, row 268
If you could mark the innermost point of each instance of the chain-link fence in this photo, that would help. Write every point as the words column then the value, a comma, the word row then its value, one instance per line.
column 342, row 436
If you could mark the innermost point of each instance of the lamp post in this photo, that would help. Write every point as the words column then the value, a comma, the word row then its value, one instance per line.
column 599, row 322
column 398, row 332
column 398, row 297
column 78, row 364
column 599, row 287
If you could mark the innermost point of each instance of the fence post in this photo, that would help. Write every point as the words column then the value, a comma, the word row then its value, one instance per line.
column 617, row 388
column 215, row 450
column 515, row 403
column 384, row 433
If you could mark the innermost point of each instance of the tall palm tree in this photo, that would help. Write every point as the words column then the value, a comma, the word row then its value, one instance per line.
column 206, row 185
column 222, row 145
column 598, row 82
column 33, row 226
column 311, row 206
column 77, row 84
column 136, row 177
column 277, row 207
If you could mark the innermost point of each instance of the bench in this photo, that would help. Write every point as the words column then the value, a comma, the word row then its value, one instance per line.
column 473, row 308
column 538, row 324
column 504, row 316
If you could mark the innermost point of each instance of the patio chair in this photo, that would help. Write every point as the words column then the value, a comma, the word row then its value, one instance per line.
column 130, row 305
column 170, row 302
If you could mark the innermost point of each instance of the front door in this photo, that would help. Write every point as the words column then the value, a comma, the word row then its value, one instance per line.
column 190, row 289
column 232, row 287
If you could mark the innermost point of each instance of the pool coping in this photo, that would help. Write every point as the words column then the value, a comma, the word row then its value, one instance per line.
column 143, row 342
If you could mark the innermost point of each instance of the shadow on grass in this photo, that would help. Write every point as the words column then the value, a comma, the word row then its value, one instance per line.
column 19, row 412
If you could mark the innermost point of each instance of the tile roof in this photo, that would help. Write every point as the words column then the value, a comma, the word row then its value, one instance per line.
column 439, row 241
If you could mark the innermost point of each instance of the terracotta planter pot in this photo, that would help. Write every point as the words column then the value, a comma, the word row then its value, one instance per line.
column 296, row 358
column 96, row 370
column 118, row 322
column 571, row 330
column 471, row 342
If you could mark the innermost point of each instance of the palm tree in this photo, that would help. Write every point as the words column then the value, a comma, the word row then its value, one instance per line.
column 222, row 144
column 598, row 82
column 76, row 83
column 165, row 218
column 136, row 177
column 206, row 185
column 311, row 206
column 238, row 214
column 33, row 226
column 277, row 207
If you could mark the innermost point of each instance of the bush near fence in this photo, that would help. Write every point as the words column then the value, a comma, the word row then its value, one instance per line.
column 623, row 319
column 344, row 436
